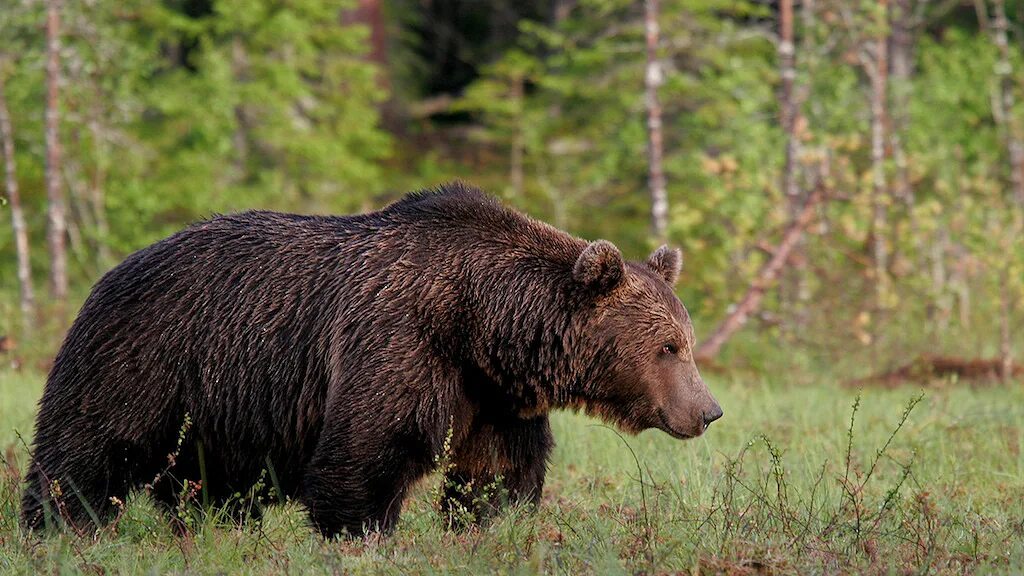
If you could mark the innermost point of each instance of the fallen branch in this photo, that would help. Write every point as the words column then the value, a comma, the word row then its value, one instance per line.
column 926, row 368
column 765, row 279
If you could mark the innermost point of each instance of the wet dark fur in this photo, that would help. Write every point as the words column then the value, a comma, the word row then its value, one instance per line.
column 338, row 350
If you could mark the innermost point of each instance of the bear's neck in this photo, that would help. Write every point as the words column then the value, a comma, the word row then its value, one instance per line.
column 526, row 338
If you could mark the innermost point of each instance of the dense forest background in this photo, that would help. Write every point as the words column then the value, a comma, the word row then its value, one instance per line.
column 845, row 178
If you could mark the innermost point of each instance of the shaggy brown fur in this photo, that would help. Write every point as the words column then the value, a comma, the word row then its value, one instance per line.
column 344, row 352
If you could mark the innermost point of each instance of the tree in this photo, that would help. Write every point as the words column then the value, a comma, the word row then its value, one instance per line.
column 788, row 105
column 766, row 277
column 904, row 22
column 27, row 300
column 655, row 141
column 868, row 24
column 56, row 219
column 793, row 287
column 1003, row 102
column 877, row 67
column 1005, row 116
column 289, row 109
column 498, row 100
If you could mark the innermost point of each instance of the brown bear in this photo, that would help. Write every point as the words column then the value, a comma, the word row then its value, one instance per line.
column 346, row 355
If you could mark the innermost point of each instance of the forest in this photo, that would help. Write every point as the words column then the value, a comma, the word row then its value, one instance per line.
column 845, row 179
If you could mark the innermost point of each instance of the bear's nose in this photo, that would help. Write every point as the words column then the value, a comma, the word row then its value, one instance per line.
column 714, row 414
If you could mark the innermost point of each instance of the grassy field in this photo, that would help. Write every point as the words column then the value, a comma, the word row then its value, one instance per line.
column 923, row 481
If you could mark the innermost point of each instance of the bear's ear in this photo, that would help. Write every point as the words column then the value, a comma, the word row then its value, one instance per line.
column 666, row 262
column 600, row 267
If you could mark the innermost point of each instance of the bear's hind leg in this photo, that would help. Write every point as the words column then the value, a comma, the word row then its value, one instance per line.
column 77, row 489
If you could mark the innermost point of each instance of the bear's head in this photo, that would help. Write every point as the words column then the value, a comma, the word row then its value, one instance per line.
column 643, row 373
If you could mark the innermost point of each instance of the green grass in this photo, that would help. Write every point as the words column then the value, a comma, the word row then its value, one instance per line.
column 782, row 484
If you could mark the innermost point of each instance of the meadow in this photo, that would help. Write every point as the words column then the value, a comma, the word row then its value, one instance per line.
column 797, row 478
column 845, row 179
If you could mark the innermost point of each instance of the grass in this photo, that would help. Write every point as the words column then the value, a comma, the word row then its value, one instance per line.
column 795, row 479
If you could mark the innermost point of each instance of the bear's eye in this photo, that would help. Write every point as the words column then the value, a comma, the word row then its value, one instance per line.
column 669, row 348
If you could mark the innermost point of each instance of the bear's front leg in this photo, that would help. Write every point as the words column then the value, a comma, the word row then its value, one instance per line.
column 343, row 500
column 352, row 488
column 498, row 464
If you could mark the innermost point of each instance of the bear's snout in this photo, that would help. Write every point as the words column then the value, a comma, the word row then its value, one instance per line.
column 686, row 406
column 713, row 414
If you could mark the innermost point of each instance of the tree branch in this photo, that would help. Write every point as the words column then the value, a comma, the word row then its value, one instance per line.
column 765, row 279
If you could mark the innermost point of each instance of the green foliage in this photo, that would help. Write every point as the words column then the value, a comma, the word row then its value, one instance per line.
column 167, row 118
column 581, row 125
column 286, row 110
column 173, row 110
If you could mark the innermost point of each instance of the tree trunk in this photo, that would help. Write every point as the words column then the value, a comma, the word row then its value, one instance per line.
column 27, row 300
column 1004, row 72
column 879, row 75
column 652, row 80
column 902, row 44
column 788, row 105
column 792, row 289
column 765, row 278
column 1002, row 110
column 371, row 14
column 56, row 220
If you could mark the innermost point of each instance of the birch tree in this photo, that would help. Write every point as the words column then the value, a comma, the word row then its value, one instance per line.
column 1003, row 107
column 1003, row 103
column 56, row 218
column 653, row 78
column 21, row 246
column 877, row 67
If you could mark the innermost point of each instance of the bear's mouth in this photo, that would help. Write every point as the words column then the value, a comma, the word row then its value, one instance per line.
column 670, row 430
